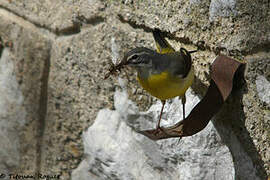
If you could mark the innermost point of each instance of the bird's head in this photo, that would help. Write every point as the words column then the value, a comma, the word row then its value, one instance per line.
column 139, row 57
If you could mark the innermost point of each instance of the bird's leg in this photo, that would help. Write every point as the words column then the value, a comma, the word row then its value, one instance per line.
column 183, row 98
column 163, row 104
column 183, row 104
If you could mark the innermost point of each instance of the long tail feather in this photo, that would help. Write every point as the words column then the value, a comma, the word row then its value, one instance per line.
column 162, row 44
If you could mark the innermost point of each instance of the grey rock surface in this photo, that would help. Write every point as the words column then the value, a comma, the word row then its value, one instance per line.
column 12, row 114
column 263, row 89
column 28, row 52
column 61, row 49
column 58, row 17
column 119, row 152
column 229, row 25
column 220, row 8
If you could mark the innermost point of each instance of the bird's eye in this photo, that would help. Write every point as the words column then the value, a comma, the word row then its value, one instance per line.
column 134, row 56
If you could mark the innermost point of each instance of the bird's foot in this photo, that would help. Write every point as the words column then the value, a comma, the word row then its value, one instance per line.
column 158, row 129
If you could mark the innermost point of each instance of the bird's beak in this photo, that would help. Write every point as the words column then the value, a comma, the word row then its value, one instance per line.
column 124, row 62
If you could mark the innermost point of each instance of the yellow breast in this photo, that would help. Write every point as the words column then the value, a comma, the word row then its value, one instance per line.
column 164, row 86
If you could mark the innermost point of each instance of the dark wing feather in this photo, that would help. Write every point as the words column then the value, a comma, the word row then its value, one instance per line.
column 180, row 64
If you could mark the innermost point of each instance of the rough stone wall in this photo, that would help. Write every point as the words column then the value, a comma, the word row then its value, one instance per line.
column 59, row 51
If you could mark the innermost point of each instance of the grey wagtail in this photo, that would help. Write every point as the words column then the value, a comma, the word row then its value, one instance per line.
column 166, row 73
